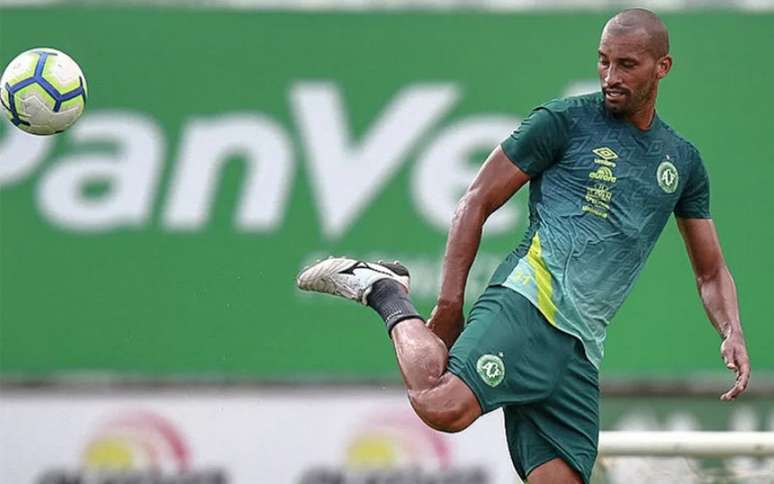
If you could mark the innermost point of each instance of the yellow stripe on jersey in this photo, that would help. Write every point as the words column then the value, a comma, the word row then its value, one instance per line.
column 545, row 290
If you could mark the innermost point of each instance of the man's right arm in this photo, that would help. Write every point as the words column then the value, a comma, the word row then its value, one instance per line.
column 497, row 180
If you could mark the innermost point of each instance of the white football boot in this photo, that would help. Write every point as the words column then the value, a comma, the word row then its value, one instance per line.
column 349, row 278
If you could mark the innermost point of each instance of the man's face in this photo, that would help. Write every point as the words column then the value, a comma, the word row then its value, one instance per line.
column 628, row 71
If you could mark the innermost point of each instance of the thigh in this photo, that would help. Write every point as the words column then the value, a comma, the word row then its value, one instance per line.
column 555, row 471
column 565, row 425
column 508, row 353
column 572, row 412
column 527, row 447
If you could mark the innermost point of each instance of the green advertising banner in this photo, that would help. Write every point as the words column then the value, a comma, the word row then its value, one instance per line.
column 221, row 151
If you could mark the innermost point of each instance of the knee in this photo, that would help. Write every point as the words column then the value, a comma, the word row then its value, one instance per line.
column 445, row 416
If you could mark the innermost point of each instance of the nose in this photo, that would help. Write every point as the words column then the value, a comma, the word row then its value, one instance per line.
column 612, row 77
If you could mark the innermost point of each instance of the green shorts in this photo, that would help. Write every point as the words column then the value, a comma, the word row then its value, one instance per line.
column 512, row 357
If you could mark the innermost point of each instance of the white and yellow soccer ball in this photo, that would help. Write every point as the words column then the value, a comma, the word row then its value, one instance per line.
column 43, row 91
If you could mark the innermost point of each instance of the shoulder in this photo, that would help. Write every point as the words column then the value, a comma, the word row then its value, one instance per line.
column 574, row 111
column 685, row 148
column 591, row 101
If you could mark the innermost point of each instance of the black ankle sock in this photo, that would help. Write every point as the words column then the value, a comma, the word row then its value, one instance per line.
column 389, row 299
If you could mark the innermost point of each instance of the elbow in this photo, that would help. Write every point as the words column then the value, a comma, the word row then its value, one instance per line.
column 702, row 280
column 710, row 273
column 475, row 203
column 713, row 275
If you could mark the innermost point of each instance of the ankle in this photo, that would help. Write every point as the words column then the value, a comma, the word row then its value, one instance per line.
column 390, row 299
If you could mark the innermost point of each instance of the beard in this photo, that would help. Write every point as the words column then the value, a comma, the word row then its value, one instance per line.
column 627, row 102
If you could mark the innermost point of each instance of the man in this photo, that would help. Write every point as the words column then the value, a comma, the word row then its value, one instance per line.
column 605, row 175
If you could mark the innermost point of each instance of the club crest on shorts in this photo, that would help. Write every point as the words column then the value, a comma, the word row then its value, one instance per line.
column 491, row 369
column 667, row 176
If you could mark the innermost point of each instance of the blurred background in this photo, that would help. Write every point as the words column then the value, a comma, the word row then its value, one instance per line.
column 150, row 329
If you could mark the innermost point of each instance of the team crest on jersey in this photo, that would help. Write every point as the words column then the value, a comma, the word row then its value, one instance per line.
column 667, row 176
column 491, row 369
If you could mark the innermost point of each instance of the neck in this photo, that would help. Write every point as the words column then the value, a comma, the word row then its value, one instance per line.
column 643, row 117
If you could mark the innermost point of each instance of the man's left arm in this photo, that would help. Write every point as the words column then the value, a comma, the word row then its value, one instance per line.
column 718, row 294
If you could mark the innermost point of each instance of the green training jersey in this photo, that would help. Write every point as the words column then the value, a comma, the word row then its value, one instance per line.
column 601, row 191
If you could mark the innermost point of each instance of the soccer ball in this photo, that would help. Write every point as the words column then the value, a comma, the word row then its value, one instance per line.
column 43, row 91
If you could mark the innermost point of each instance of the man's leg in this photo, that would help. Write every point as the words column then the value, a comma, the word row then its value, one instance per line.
column 527, row 352
column 442, row 400
column 555, row 471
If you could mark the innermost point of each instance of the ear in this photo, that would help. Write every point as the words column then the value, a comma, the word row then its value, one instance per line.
column 663, row 66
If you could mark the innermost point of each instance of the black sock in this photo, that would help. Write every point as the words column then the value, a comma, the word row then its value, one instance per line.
column 389, row 299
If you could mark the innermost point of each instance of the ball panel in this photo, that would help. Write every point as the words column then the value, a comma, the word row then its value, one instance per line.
column 39, row 130
column 62, row 73
column 4, row 97
column 24, row 96
column 5, row 103
column 76, row 103
column 60, row 121
column 38, row 114
column 21, row 67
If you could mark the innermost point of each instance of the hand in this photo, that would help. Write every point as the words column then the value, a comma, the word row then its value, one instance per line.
column 734, row 353
column 446, row 321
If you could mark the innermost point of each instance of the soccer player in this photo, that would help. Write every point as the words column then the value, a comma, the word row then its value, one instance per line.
column 605, row 174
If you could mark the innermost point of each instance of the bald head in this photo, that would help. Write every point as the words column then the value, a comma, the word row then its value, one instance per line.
column 642, row 22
